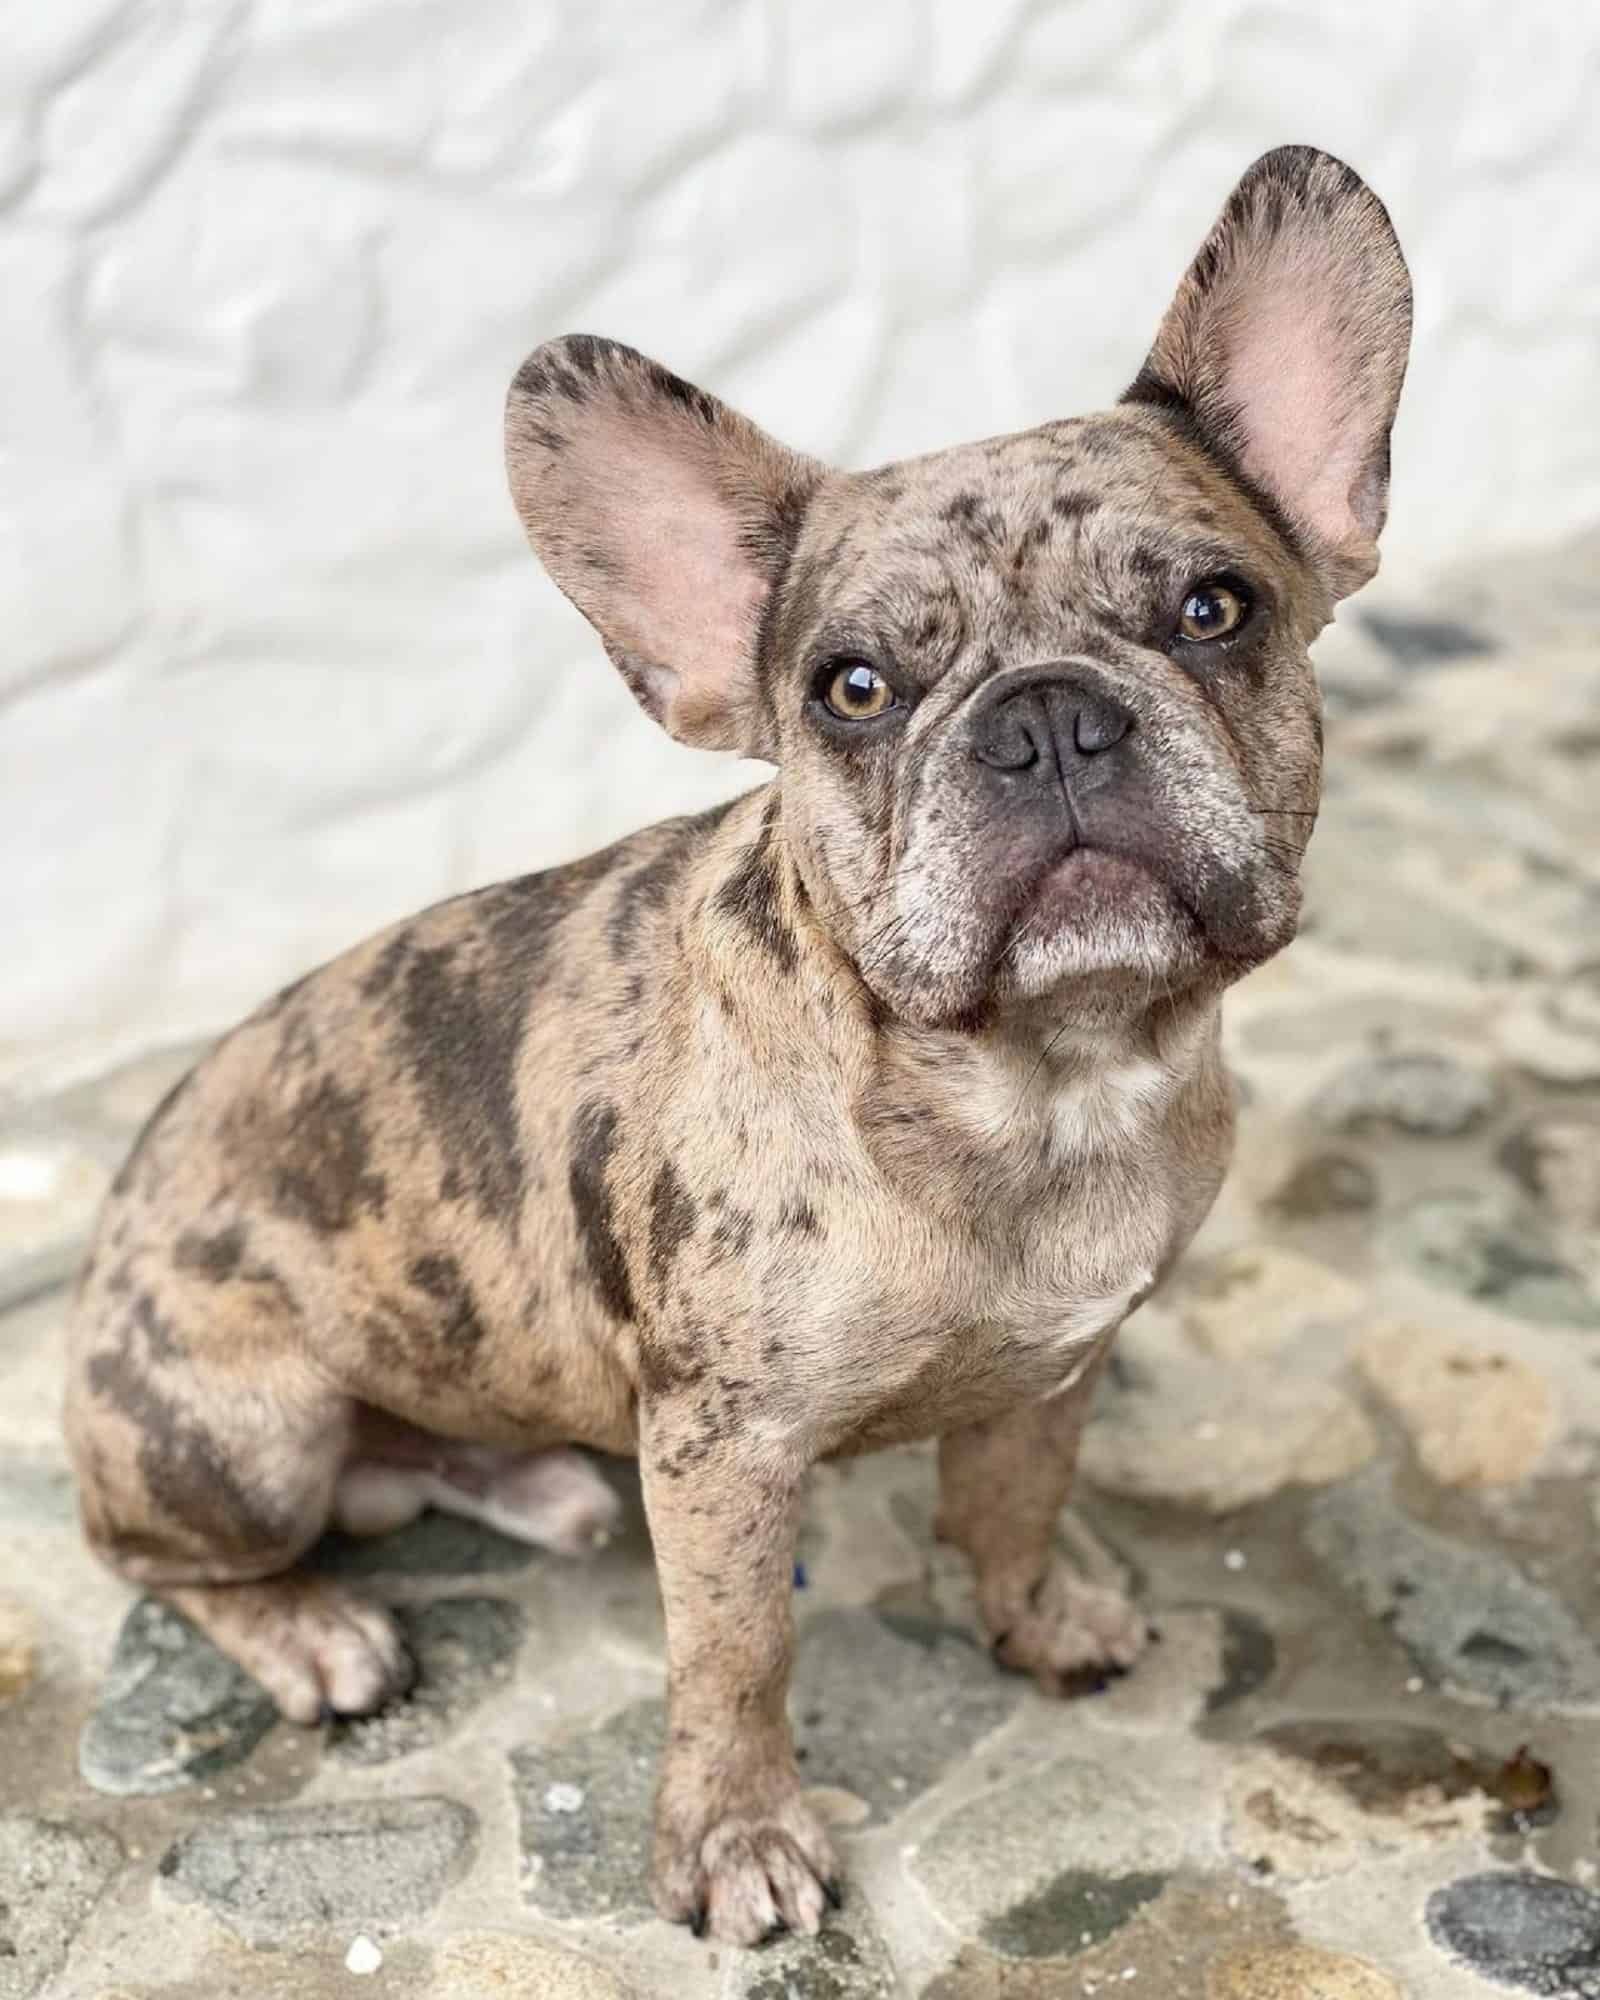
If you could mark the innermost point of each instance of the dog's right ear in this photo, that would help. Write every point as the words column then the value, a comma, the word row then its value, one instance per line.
column 666, row 517
column 1285, row 349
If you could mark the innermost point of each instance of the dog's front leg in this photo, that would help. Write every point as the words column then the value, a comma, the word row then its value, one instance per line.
column 1002, row 1485
column 737, row 1852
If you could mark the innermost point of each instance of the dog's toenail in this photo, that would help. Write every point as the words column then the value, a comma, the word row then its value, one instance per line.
column 697, row 1920
column 834, row 1891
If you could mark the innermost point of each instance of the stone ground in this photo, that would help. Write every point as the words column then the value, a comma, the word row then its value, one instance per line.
column 1352, row 1461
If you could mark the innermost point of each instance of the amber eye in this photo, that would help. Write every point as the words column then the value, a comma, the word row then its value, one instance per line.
column 856, row 692
column 1211, row 611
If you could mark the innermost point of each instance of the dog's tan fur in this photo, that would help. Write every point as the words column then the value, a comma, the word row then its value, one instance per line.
column 861, row 1110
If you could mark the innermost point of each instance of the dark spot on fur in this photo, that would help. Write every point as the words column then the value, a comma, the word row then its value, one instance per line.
column 594, row 1140
column 442, row 1279
column 462, row 1031
column 162, row 1341
column 385, row 969
column 981, row 523
column 749, row 894
column 1074, row 505
column 322, row 1162
column 1097, row 437
column 672, row 1219
column 532, row 378
column 798, row 1216
column 735, row 1231
column 184, row 1470
column 450, row 1188
column 648, row 886
column 667, row 1365
column 463, row 1011
column 384, row 1345
column 215, row 1257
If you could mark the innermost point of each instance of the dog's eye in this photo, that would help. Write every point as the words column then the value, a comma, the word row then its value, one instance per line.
column 1212, row 611
column 856, row 692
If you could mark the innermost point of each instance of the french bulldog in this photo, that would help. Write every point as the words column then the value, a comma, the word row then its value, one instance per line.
column 860, row 1110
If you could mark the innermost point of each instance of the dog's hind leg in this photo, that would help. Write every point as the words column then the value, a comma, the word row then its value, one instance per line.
column 207, row 1458
column 555, row 1499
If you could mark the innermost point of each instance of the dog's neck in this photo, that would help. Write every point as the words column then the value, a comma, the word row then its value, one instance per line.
column 1011, row 1110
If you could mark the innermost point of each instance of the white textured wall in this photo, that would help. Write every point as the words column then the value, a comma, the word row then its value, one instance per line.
column 276, row 664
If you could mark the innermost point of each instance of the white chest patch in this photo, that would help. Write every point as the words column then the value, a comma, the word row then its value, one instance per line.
column 1098, row 1103
column 1107, row 1104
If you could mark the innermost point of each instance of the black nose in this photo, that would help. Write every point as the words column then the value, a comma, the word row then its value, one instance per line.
column 1057, row 721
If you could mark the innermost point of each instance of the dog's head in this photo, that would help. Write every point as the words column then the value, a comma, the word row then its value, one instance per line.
column 1042, row 705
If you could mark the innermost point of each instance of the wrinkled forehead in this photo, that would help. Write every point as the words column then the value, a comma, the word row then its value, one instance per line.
column 1090, row 519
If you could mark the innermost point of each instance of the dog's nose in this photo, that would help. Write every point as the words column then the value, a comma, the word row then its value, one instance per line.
column 1054, row 720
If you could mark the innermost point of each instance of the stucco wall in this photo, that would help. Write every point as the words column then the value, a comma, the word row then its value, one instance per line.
column 276, row 663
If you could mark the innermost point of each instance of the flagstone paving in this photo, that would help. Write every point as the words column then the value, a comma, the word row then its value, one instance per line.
column 1351, row 1460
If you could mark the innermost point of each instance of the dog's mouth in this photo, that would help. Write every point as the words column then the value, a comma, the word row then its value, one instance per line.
column 1047, row 915
column 1089, row 887
column 1099, row 903
column 1086, row 882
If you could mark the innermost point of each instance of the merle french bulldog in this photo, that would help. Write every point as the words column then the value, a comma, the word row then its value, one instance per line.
column 860, row 1110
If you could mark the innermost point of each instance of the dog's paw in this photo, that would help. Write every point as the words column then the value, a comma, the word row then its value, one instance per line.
column 1072, row 1636
column 316, row 1649
column 749, row 1875
column 554, row 1498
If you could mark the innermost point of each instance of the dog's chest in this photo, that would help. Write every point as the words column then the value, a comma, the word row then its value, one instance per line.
column 962, row 1310
column 939, row 1341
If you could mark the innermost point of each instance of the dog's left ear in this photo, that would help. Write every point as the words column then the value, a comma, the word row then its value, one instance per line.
column 1285, row 347
column 666, row 517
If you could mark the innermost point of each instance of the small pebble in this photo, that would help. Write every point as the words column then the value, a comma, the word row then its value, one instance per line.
column 1233, row 1559
column 564, row 1798
column 362, row 1957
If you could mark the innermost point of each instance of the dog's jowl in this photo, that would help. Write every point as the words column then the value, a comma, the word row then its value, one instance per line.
column 863, row 1109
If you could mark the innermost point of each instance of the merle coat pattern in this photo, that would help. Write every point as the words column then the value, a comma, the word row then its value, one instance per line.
column 862, row 1109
